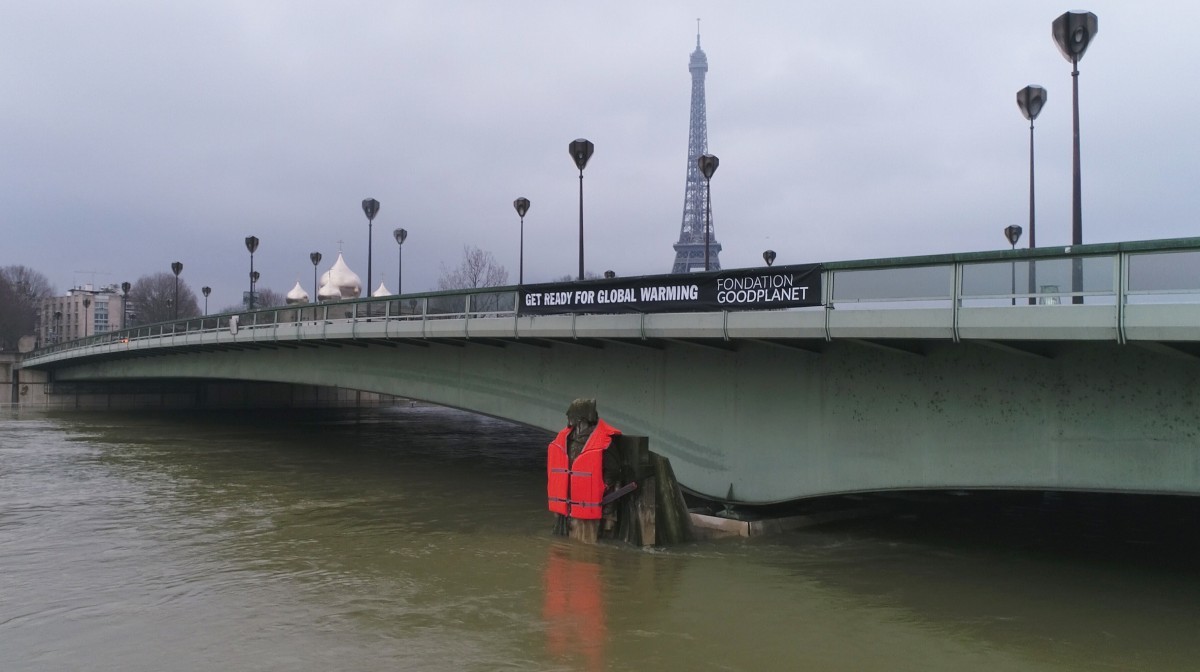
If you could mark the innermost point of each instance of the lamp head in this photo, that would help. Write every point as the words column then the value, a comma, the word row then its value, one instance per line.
column 1031, row 99
column 1073, row 32
column 206, row 291
column 769, row 257
column 581, row 150
column 315, row 258
column 176, row 268
column 370, row 208
column 252, row 243
column 1013, row 234
column 708, row 165
column 400, row 235
column 522, row 206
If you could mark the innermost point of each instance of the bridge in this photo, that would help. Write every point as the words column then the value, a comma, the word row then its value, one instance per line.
column 1055, row 368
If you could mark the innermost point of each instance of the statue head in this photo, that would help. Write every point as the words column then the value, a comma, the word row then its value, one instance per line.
column 581, row 415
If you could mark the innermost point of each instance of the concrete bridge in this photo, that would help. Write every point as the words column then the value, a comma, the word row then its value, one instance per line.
column 982, row 370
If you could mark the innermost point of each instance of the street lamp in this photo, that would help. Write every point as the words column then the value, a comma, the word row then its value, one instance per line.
column 400, row 235
column 769, row 257
column 610, row 274
column 581, row 150
column 1031, row 100
column 708, row 165
column 125, row 286
column 370, row 208
column 206, row 291
column 1013, row 234
column 87, row 303
column 1073, row 32
column 176, row 268
column 522, row 206
column 251, row 245
column 57, row 326
column 315, row 258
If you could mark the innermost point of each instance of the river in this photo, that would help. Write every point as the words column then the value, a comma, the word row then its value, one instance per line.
column 416, row 538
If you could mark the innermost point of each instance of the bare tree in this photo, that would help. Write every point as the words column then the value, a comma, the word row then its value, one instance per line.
column 268, row 298
column 478, row 269
column 152, row 299
column 588, row 275
column 22, row 290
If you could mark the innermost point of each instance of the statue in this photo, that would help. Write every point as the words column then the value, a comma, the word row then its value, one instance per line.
column 580, row 472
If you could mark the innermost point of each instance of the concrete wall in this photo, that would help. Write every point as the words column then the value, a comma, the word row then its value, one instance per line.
column 775, row 422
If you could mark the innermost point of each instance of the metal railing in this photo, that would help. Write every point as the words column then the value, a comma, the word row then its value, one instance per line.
column 1113, row 274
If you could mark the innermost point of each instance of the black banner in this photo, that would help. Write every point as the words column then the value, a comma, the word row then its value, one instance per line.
column 741, row 289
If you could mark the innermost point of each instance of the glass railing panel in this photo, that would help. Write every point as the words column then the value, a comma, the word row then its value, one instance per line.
column 443, row 306
column 1164, row 277
column 492, row 303
column 888, row 285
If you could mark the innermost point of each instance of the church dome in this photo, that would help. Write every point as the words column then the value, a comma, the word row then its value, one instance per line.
column 382, row 291
column 341, row 279
column 297, row 295
column 328, row 292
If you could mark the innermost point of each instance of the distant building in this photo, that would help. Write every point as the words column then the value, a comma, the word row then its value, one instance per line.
column 84, row 311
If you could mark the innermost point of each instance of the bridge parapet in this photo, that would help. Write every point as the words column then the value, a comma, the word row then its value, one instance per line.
column 1136, row 291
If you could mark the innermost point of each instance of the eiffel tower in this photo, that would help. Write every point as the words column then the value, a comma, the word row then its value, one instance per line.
column 689, row 251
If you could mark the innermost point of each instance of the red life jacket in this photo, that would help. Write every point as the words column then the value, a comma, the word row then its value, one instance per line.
column 576, row 489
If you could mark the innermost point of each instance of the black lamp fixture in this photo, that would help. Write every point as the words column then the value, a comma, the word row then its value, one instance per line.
column 708, row 165
column 400, row 235
column 1031, row 100
column 251, row 246
column 1073, row 32
column 769, row 257
column 315, row 258
column 125, row 287
column 522, row 206
column 176, row 268
column 581, row 150
column 370, row 208
column 1013, row 234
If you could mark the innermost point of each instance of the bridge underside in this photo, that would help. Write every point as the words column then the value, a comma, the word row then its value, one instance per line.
column 778, row 420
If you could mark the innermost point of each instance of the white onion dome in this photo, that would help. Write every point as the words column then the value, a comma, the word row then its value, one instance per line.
column 297, row 295
column 382, row 291
column 328, row 292
column 345, row 281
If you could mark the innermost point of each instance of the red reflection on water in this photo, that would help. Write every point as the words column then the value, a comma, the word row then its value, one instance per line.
column 573, row 606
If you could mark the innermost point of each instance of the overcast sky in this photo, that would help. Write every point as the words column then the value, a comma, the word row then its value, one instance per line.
column 134, row 134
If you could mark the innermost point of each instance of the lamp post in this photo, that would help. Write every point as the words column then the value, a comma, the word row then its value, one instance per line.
column 1073, row 32
column 57, row 326
column 176, row 268
column 769, row 257
column 87, row 303
column 522, row 206
column 400, row 235
column 708, row 165
column 370, row 208
column 581, row 150
column 253, row 282
column 251, row 245
column 125, row 286
column 315, row 258
column 206, row 291
column 1013, row 234
column 1031, row 100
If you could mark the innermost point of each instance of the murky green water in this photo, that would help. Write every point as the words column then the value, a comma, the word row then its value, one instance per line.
column 415, row 538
